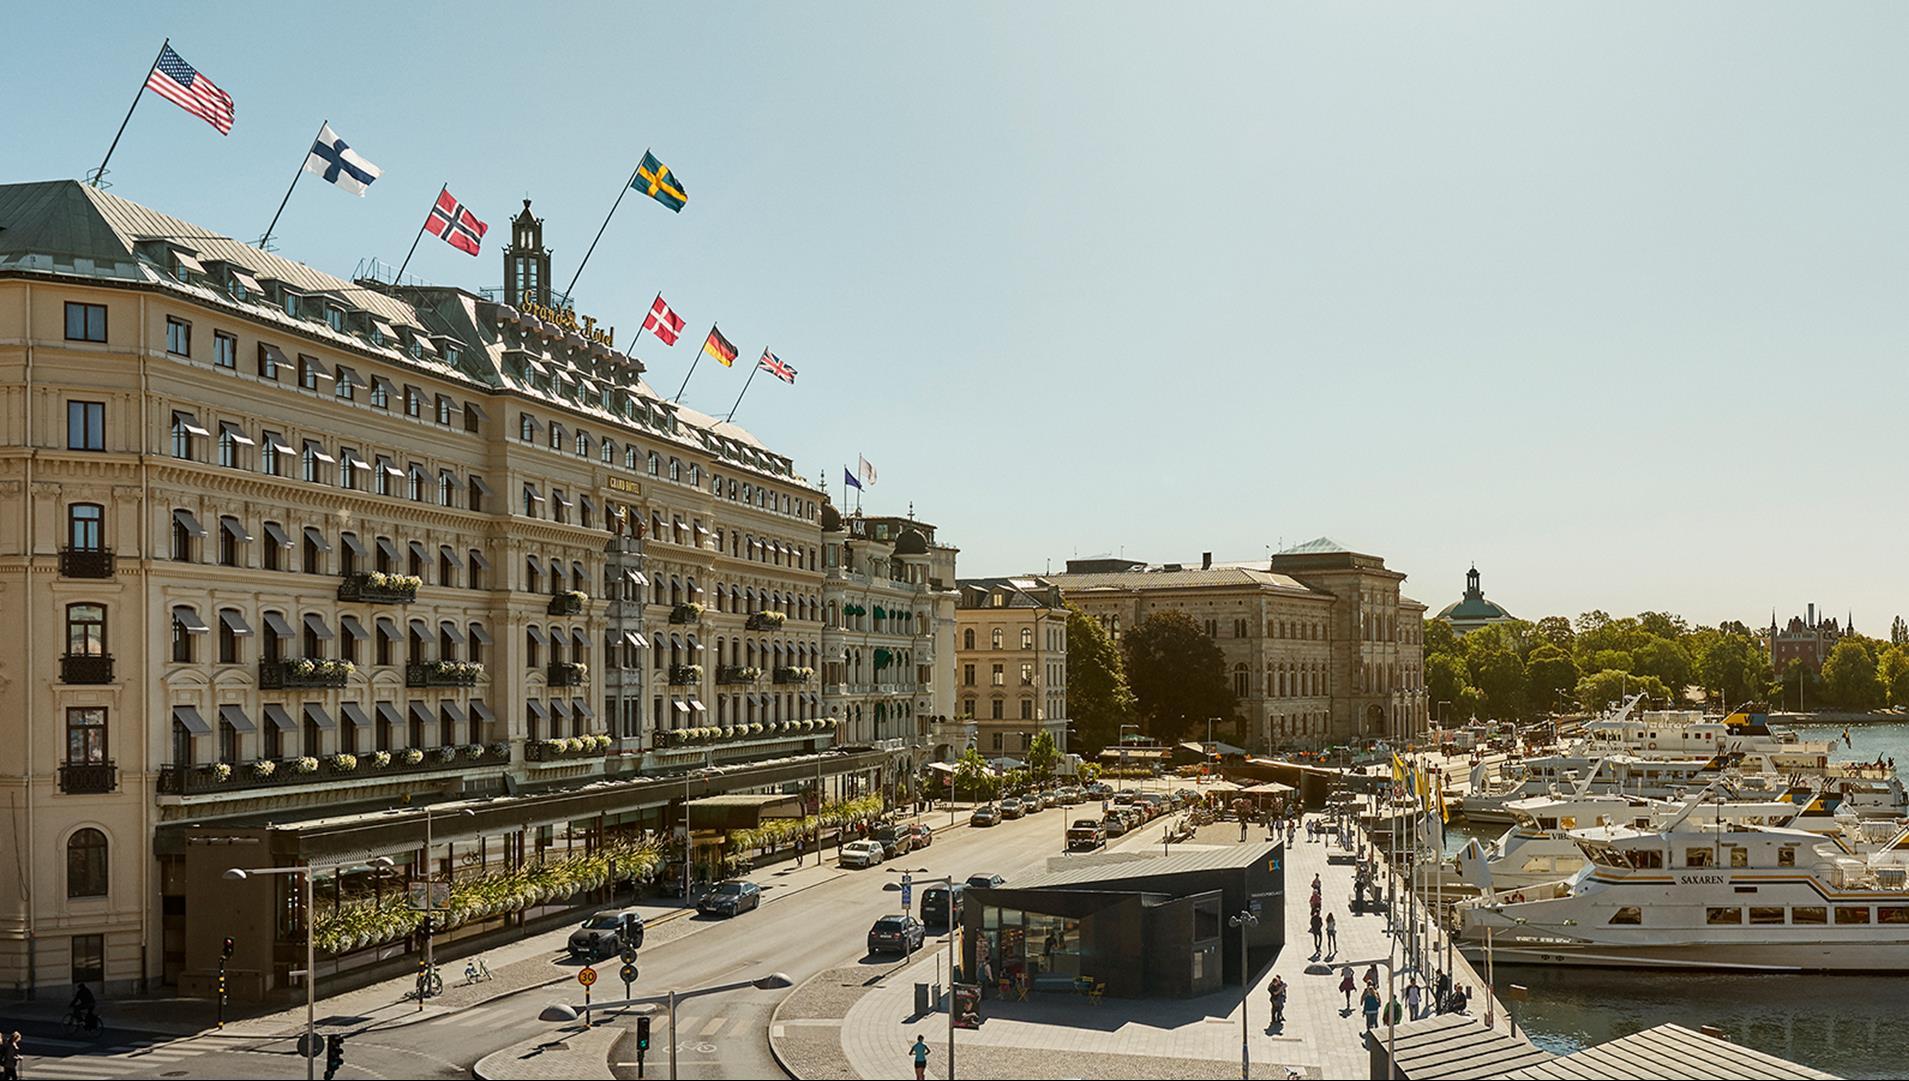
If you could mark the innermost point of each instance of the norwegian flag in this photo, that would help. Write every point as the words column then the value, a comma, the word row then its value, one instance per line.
column 663, row 322
column 777, row 367
column 457, row 226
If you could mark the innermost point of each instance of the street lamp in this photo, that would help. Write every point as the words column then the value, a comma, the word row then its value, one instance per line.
column 704, row 773
column 948, row 882
column 430, row 907
column 1243, row 920
column 564, row 1013
column 242, row 874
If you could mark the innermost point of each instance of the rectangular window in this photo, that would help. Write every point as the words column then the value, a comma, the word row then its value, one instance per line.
column 86, row 735
column 225, row 350
column 85, row 322
column 307, row 372
column 85, row 425
column 1810, row 914
column 1698, row 857
column 268, row 361
column 178, row 337
column 1765, row 914
column 89, row 956
column 1718, row 916
column 413, row 402
column 380, row 394
column 1627, row 916
column 1892, row 914
column 1849, row 914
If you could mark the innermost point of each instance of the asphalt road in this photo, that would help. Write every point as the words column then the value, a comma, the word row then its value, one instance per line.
column 799, row 934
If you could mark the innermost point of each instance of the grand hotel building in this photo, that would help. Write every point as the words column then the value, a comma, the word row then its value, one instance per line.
column 286, row 560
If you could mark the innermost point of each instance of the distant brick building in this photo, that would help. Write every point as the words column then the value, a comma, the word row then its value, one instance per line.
column 1805, row 639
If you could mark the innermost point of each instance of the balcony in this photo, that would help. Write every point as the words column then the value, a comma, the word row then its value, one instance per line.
column 734, row 673
column 570, row 603
column 86, row 563
column 569, row 749
column 686, row 613
column 765, row 621
column 88, row 778
column 567, row 674
column 443, row 674
column 378, row 588
column 743, row 734
column 332, row 768
column 86, row 668
column 685, row 675
column 300, row 672
column 794, row 675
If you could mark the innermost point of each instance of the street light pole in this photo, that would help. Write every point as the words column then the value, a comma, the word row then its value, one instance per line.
column 430, row 908
column 1244, row 920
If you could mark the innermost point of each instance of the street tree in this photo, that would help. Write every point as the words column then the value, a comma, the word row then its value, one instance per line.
column 1098, row 698
column 1557, row 631
column 972, row 778
column 1550, row 675
column 1665, row 659
column 1850, row 679
column 1178, row 675
column 1042, row 755
column 1893, row 670
column 1734, row 666
column 1602, row 690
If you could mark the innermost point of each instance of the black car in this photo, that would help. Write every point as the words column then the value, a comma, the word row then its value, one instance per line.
column 895, row 840
column 934, row 904
column 606, row 933
column 730, row 898
column 896, row 934
column 985, row 881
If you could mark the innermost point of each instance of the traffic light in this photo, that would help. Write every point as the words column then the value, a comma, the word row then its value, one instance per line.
column 643, row 1032
column 334, row 1055
column 228, row 947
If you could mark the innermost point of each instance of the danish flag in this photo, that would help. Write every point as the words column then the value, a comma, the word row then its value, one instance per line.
column 663, row 322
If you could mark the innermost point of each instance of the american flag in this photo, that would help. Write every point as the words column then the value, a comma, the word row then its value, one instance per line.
column 177, row 81
column 457, row 226
column 775, row 366
column 663, row 322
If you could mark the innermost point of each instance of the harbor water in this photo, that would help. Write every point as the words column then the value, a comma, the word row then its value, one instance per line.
column 1849, row 1025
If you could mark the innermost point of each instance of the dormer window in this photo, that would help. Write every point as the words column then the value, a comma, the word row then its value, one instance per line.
column 335, row 317
column 291, row 304
column 416, row 350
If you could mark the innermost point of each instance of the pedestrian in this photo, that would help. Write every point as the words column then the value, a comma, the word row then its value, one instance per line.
column 1316, row 932
column 1369, row 1005
column 1347, row 985
column 1442, row 992
column 1372, row 977
column 1277, row 992
column 1413, row 993
column 1315, row 885
column 10, row 1056
column 1332, row 936
column 920, row 1051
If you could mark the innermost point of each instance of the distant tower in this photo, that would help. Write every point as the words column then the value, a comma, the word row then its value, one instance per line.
column 526, row 261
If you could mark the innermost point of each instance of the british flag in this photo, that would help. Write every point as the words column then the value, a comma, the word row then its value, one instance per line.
column 663, row 322
column 777, row 367
column 457, row 226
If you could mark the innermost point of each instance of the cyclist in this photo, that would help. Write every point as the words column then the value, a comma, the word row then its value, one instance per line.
column 84, row 1007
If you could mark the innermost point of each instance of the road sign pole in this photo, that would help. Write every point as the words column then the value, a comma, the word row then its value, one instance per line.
column 586, row 976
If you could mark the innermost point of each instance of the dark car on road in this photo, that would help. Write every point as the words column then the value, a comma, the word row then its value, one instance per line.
column 985, row 881
column 896, row 934
column 730, row 898
column 984, row 815
column 895, row 840
column 607, row 933
column 934, row 904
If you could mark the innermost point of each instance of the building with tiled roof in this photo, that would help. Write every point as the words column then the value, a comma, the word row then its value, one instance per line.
column 1013, row 658
column 1320, row 645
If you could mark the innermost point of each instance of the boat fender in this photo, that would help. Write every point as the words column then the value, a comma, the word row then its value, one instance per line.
column 1653, row 745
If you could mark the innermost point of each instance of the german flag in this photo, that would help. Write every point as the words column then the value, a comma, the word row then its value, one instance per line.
column 719, row 348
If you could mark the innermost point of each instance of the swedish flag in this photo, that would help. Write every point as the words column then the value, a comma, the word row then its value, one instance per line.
column 654, row 179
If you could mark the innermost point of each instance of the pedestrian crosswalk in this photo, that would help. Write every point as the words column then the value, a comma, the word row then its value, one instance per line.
column 119, row 1060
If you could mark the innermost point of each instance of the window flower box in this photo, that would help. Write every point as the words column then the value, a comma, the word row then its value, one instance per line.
column 569, row 748
column 568, row 674
column 377, row 587
column 685, row 675
column 569, row 603
column 686, row 613
column 765, row 621
column 443, row 674
column 303, row 672
column 732, row 673
column 344, row 762
column 790, row 674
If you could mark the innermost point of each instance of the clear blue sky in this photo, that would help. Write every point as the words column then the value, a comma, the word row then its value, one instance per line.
column 1607, row 299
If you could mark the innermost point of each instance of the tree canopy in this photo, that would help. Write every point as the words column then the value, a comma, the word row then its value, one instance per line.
column 1178, row 675
column 1098, row 698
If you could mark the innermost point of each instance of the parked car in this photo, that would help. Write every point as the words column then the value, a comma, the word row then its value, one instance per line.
column 1085, row 834
column 1115, row 824
column 1125, row 798
column 1071, row 795
column 896, row 934
column 922, row 835
column 934, row 904
column 607, row 933
column 1011, row 808
column 861, row 853
column 895, row 840
column 1050, row 798
column 985, row 815
column 985, row 881
column 1098, row 790
column 730, row 898
column 1032, row 803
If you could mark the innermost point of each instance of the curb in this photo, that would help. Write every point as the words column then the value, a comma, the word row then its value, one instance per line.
column 775, row 1018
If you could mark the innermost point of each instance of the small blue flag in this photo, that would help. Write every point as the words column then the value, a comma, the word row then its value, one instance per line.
column 849, row 478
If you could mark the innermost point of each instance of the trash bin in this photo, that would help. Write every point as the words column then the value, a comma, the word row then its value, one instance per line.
column 921, row 999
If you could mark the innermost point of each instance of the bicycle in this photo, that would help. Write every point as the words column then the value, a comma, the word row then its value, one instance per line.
column 77, row 1024
column 429, row 983
column 476, row 971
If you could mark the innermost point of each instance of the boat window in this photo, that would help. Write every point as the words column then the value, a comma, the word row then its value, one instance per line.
column 1569, row 822
column 1763, row 914
column 1816, row 914
column 1892, row 914
column 1723, row 915
column 1698, row 857
column 1647, row 857
column 1786, row 856
column 1628, row 916
column 1852, row 913
column 1739, row 856
column 1547, row 823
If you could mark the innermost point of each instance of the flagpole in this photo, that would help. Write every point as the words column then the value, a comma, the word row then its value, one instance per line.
column 745, row 390
column 267, row 238
column 631, row 347
column 100, row 173
column 599, row 236
column 399, row 279
column 693, row 361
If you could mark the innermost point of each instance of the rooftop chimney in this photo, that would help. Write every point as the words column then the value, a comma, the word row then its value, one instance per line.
column 1206, row 561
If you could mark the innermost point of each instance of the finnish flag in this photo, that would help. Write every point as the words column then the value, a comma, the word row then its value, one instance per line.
column 339, row 163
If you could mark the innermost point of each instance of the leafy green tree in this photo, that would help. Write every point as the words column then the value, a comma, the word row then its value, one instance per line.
column 1042, row 755
column 1734, row 666
column 1448, row 684
column 1557, row 631
column 1178, row 675
column 1665, row 659
column 1602, row 690
column 1603, row 660
column 1663, row 625
column 972, row 778
column 1850, row 678
column 1499, row 674
column 1098, row 698
column 1550, row 674
column 1893, row 670
column 1440, row 638
column 1799, row 687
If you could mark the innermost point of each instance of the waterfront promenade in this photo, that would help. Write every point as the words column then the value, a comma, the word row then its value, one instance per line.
column 846, row 1025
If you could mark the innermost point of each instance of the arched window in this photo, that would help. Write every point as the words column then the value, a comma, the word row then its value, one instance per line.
column 86, row 863
column 997, row 638
column 629, row 457
column 967, row 638
column 583, row 444
column 1027, row 638
column 609, row 451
